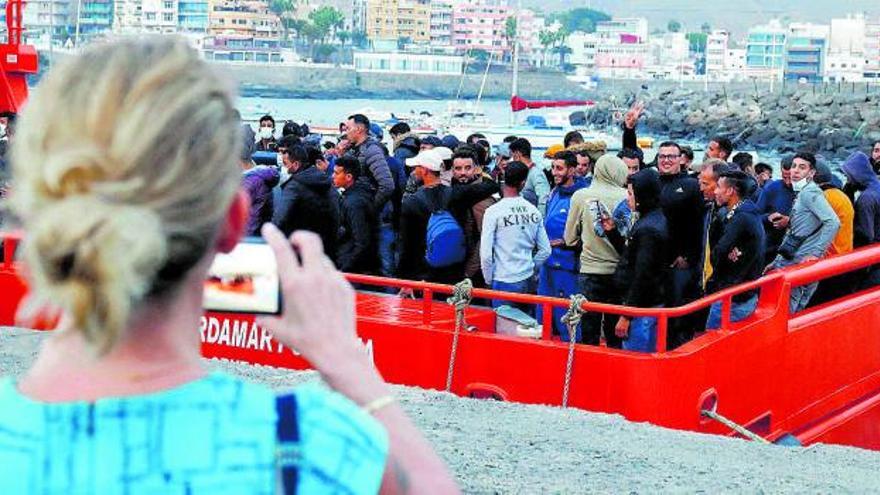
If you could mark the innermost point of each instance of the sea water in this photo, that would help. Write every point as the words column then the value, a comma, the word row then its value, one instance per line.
column 329, row 113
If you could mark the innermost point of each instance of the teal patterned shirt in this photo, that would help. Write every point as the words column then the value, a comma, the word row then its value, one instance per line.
column 216, row 435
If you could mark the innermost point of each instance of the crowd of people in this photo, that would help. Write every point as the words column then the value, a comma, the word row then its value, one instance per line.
column 607, row 225
column 126, row 183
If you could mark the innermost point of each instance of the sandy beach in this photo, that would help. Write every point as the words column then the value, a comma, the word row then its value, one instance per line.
column 497, row 447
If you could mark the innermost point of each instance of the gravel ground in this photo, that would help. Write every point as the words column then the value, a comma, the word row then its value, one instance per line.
column 497, row 447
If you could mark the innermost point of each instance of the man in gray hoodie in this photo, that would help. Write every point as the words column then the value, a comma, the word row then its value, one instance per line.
column 812, row 226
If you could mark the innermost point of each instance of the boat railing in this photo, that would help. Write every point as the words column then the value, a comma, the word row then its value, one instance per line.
column 774, row 290
column 663, row 315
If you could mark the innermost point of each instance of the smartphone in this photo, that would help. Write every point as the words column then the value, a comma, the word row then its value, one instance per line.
column 598, row 210
column 245, row 280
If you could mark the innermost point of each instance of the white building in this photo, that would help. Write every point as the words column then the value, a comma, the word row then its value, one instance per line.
column 127, row 16
column 359, row 16
column 159, row 16
column 408, row 63
column 529, row 28
column 716, row 51
column 441, row 23
column 847, row 35
column 583, row 48
column 846, row 61
column 735, row 62
column 43, row 16
column 872, row 49
column 636, row 26
column 845, row 67
column 674, row 48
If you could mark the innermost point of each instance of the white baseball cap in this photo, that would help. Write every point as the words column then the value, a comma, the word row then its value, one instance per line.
column 444, row 152
column 430, row 159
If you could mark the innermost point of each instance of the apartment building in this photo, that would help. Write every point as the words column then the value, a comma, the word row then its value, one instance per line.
column 765, row 51
column 872, row 49
column 399, row 19
column 441, row 23
column 805, row 52
column 243, row 18
column 44, row 16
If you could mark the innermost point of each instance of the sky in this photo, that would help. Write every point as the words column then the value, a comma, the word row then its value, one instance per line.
column 735, row 16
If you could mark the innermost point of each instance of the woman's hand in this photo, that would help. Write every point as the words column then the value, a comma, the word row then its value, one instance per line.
column 319, row 318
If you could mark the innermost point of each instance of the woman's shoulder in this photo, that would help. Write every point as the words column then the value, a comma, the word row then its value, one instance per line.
column 342, row 449
column 322, row 412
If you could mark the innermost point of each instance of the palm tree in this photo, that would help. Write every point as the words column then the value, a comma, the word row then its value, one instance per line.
column 546, row 38
column 283, row 9
column 343, row 36
column 561, row 49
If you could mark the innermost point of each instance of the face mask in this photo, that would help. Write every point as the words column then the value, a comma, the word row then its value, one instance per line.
column 800, row 185
column 284, row 175
column 265, row 133
column 279, row 161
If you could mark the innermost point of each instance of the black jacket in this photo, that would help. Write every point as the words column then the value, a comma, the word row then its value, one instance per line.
column 415, row 212
column 375, row 172
column 358, row 231
column 682, row 203
column 743, row 231
column 643, row 271
column 309, row 202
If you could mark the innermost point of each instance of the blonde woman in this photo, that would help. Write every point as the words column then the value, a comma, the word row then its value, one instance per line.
column 126, row 184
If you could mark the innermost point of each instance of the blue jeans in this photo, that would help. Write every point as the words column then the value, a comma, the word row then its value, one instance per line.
column 642, row 335
column 526, row 286
column 738, row 312
column 555, row 282
column 800, row 297
column 388, row 249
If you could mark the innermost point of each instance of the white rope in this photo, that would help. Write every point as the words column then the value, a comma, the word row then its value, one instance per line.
column 571, row 318
column 461, row 298
column 734, row 426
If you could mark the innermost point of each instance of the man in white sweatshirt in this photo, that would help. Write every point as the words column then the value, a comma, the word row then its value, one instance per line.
column 513, row 244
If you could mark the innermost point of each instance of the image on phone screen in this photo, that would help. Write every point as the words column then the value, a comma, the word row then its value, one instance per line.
column 244, row 280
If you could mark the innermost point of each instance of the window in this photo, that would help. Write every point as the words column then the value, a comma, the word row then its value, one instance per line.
column 167, row 17
column 168, row 5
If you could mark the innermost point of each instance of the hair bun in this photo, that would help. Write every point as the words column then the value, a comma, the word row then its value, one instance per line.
column 96, row 260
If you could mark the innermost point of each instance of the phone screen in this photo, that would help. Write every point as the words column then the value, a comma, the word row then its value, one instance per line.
column 244, row 280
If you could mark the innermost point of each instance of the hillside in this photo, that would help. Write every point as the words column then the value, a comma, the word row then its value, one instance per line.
column 734, row 16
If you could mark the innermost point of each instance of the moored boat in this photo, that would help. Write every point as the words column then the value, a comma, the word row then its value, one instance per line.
column 810, row 377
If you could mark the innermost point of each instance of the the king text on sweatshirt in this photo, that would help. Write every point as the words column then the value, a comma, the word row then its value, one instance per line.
column 513, row 244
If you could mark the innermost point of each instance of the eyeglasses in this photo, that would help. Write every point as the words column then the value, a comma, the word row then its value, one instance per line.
column 668, row 157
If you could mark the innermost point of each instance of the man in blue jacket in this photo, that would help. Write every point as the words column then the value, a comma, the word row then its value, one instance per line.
column 738, row 256
column 558, row 276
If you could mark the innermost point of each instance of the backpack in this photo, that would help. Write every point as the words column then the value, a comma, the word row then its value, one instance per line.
column 444, row 240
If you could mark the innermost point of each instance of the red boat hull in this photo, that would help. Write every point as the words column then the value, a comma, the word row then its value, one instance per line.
column 815, row 376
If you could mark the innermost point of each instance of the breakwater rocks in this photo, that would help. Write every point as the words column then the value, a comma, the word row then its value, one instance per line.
column 830, row 120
